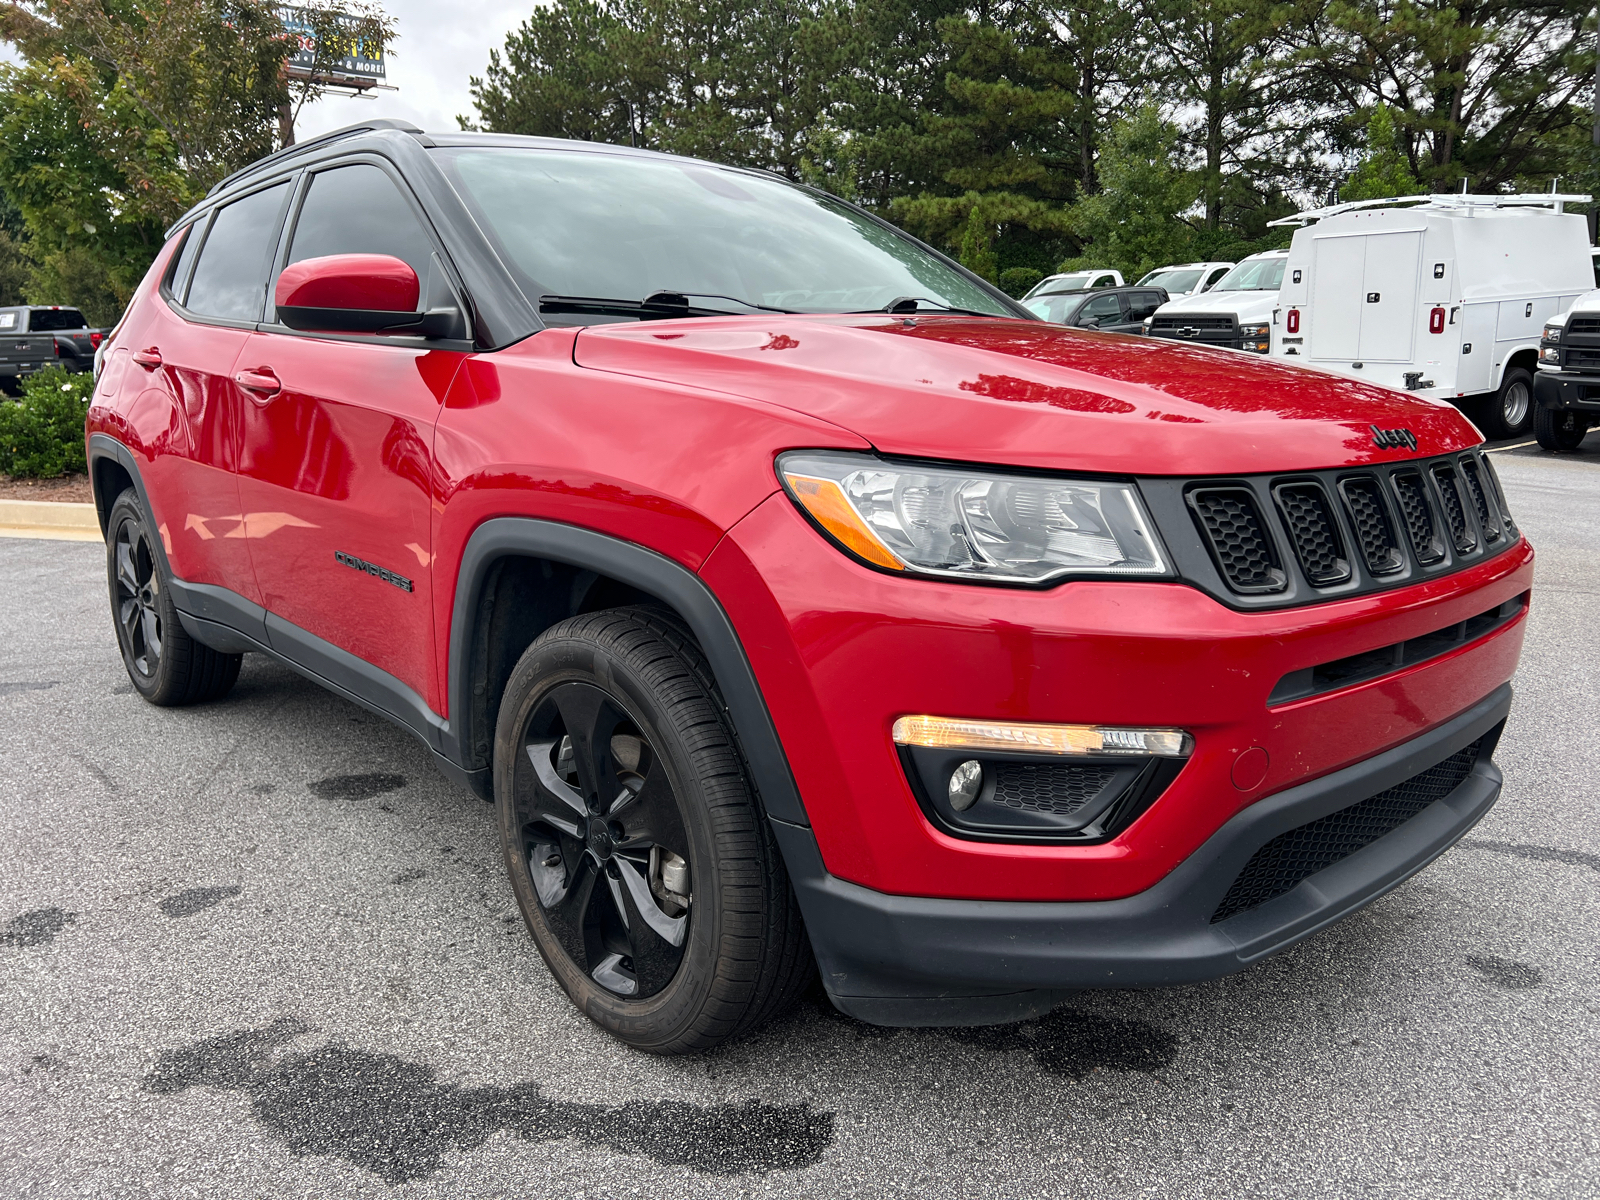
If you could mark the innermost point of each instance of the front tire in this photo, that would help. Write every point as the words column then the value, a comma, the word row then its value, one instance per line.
column 1561, row 430
column 166, row 666
column 639, row 854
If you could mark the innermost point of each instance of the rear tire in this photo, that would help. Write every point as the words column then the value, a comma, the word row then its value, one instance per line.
column 639, row 854
column 1509, row 412
column 166, row 666
column 1561, row 430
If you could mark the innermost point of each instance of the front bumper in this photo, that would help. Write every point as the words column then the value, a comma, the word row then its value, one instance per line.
column 902, row 960
column 1564, row 390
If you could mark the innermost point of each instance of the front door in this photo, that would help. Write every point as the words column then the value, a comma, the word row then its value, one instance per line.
column 336, row 464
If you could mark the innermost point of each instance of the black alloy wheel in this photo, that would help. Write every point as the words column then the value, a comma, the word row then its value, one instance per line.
column 136, row 593
column 604, row 840
column 637, row 849
column 165, row 665
column 1561, row 430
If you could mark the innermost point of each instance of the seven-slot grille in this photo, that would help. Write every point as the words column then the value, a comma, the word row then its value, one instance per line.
column 1348, row 531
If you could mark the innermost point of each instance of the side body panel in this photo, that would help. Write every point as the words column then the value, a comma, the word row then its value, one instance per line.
column 336, row 476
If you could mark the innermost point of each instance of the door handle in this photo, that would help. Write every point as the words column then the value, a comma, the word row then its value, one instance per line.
column 148, row 359
column 261, row 380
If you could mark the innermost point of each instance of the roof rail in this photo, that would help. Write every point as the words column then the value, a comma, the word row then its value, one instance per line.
column 278, row 156
column 1441, row 201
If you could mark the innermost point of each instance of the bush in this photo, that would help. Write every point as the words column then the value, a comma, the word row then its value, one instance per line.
column 41, row 434
column 1015, row 281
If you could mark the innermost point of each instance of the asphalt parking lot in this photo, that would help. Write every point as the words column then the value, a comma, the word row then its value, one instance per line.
column 263, row 949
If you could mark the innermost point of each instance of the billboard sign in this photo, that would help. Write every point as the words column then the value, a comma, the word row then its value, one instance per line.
column 352, row 63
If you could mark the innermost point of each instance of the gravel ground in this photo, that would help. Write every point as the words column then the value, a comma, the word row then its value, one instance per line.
column 262, row 949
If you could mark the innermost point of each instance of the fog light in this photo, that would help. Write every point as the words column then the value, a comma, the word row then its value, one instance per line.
column 965, row 783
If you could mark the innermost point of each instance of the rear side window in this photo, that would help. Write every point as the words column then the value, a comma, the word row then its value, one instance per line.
column 8, row 319
column 359, row 210
column 1143, row 304
column 54, row 320
column 178, row 275
column 230, row 279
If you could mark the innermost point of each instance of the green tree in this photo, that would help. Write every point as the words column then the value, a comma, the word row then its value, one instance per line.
column 1000, row 144
column 1490, row 90
column 1384, row 169
column 122, row 115
column 1136, row 222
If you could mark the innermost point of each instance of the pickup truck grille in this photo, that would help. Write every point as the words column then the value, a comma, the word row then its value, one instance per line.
column 1208, row 329
column 1275, row 541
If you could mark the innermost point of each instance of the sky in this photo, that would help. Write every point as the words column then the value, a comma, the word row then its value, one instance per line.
column 438, row 47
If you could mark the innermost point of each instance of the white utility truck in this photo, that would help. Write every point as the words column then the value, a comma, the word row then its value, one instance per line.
column 1442, row 296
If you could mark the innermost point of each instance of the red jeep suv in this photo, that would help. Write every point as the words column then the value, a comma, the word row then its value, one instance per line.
column 792, row 593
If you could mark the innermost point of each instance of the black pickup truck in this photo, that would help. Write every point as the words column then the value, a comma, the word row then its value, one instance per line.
column 33, row 337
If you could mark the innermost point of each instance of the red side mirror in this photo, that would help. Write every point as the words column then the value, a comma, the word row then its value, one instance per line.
column 371, row 282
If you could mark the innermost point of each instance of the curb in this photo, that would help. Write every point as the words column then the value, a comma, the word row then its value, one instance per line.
column 51, row 519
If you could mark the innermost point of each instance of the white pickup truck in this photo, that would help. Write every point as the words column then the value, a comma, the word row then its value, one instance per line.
column 1236, row 313
column 1444, row 296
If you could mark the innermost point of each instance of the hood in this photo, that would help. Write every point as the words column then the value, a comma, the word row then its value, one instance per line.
column 1031, row 394
column 1222, row 302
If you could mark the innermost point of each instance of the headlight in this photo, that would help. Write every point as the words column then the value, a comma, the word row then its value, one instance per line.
column 1552, row 333
column 1256, row 337
column 973, row 523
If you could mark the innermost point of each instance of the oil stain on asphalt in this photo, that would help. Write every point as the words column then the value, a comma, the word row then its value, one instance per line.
column 197, row 899
column 356, row 787
column 36, row 928
column 394, row 1118
column 1573, row 858
column 1505, row 972
column 7, row 689
column 1076, row 1043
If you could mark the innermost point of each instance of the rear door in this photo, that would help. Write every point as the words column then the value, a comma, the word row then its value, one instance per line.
column 337, row 459
column 1389, row 296
column 1338, row 270
column 187, row 416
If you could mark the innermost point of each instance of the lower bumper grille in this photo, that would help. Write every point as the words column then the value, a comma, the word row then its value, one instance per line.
column 1293, row 857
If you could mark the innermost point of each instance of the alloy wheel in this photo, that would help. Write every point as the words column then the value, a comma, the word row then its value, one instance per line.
column 604, row 840
column 138, row 598
column 1514, row 404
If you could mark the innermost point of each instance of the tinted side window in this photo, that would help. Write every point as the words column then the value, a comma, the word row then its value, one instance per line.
column 358, row 210
column 1217, row 274
column 1143, row 304
column 1108, row 309
column 230, row 280
column 53, row 320
column 178, row 274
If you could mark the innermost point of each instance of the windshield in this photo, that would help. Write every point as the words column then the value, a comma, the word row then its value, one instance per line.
column 1173, row 281
column 614, row 226
column 1068, row 283
column 1254, row 275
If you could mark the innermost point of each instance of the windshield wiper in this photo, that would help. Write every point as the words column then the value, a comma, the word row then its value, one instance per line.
column 658, row 305
column 909, row 304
